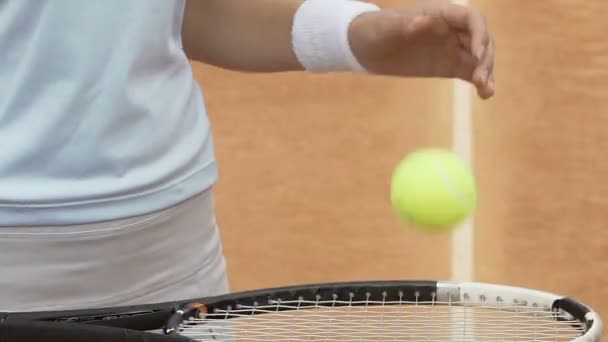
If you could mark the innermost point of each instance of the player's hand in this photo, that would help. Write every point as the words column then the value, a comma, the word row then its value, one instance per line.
column 433, row 40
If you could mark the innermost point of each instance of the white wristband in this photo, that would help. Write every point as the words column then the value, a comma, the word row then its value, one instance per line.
column 320, row 34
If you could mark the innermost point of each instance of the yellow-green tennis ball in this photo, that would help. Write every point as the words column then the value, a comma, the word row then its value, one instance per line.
column 433, row 189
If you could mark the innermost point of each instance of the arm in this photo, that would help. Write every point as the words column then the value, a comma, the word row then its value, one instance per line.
column 435, row 40
column 243, row 35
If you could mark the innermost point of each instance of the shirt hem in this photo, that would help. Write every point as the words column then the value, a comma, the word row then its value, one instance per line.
column 112, row 209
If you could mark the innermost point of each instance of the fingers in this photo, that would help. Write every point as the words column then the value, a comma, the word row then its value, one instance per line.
column 484, row 73
column 466, row 30
column 480, row 37
column 466, row 66
column 468, row 20
column 474, row 36
column 480, row 75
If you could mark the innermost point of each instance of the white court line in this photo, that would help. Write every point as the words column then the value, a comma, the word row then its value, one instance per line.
column 463, row 258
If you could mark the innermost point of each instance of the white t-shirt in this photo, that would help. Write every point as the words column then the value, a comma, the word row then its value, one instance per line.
column 100, row 116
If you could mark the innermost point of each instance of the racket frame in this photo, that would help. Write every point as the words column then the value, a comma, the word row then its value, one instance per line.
column 169, row 315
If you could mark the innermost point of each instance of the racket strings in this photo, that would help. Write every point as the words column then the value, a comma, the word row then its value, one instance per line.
column 381, row 320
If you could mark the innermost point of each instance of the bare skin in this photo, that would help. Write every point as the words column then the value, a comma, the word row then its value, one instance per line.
column 432, row 40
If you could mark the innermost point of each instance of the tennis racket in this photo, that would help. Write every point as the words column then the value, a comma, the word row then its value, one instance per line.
column 354, row 311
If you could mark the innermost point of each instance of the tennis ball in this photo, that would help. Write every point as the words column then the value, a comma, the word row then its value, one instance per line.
column 433, row 189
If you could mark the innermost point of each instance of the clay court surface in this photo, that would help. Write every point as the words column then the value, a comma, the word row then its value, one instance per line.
column 306, row 160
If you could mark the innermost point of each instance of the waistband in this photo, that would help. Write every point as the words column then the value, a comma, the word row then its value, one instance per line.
column 83, row 212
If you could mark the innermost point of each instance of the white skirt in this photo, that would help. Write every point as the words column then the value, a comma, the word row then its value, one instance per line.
column 169, row 255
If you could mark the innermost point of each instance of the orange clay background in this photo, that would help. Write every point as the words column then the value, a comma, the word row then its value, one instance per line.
column 306, row 160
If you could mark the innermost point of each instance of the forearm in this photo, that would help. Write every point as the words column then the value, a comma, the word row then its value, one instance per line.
column 244, row 35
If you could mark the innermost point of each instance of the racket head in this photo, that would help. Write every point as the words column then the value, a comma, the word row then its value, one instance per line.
column 349, row 311
column 397, row 310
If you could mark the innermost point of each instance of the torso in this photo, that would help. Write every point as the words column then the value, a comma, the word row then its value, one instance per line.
column 100, row 116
